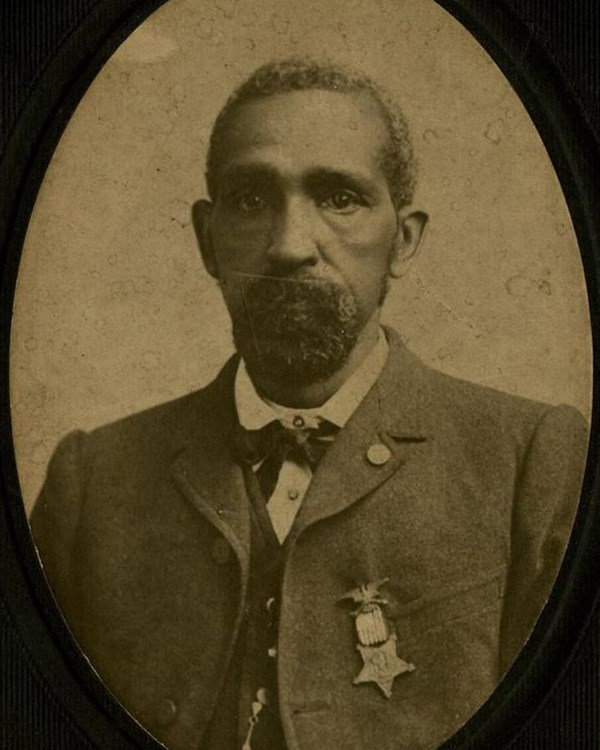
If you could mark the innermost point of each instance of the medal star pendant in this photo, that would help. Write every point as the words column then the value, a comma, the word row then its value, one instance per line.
column 381, row 665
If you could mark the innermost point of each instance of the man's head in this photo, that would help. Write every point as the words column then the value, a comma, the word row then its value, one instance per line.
column 311, row 174
column 396, row 155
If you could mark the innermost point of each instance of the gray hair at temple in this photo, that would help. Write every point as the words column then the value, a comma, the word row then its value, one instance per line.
column 398, row 159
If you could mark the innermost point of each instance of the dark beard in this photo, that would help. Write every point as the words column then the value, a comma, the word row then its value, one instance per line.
column 294, row 330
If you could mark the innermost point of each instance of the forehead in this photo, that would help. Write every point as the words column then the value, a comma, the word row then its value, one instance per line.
column 307, row 130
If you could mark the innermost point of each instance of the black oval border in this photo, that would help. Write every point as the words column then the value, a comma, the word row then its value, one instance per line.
column 91, row 32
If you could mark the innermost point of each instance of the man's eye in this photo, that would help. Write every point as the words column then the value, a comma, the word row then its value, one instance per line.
column 250, row 202
column 342, row 201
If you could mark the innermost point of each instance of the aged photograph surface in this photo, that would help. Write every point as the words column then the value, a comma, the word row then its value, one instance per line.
column 301, row 375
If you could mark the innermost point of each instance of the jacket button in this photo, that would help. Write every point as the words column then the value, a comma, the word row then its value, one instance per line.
column 165, row 712
column 220, row 551
column 378, row 454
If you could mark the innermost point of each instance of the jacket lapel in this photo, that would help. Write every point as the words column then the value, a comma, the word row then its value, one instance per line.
column 204, row 467
column 390, row 416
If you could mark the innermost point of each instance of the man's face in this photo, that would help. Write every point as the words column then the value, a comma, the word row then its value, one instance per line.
column 302, row 230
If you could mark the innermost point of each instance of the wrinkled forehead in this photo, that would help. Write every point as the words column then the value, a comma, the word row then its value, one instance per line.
column 306, row 130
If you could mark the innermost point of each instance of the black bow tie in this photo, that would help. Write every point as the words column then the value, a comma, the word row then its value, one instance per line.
column 270, row 446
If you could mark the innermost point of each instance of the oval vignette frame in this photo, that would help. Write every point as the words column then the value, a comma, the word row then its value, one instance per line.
column 555, row 634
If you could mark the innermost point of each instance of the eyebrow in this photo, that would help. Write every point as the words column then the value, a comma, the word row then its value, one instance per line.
column 314, row 179
column 323, row 177
column 248, row 172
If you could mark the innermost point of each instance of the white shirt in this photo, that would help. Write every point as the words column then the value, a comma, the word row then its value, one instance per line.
column 254, row 412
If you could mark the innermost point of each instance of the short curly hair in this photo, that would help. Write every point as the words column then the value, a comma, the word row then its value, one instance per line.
column 300, row 74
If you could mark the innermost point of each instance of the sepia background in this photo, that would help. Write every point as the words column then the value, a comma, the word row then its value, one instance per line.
column 113, row 311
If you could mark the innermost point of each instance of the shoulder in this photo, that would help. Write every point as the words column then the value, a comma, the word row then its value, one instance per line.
column 457, row 409
column 156, row 432
column 466, row 397
column 475, row 407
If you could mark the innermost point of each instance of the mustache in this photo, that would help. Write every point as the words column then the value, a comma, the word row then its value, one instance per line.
column 244, row 279
column 262, row 294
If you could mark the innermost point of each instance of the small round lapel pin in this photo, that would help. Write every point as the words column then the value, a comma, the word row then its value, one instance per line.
column 378, row 454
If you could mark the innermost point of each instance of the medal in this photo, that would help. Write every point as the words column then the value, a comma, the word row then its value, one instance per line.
column 381, row 665
column 376, row 643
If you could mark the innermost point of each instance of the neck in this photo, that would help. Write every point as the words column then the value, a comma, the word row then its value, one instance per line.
column 312, row 395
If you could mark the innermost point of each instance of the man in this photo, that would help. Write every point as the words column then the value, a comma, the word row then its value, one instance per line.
column 331, row 545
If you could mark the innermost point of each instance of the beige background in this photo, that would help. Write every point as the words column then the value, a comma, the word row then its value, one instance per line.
column 113, row 311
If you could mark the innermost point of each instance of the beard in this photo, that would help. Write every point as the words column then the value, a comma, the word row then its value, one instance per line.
column 294, row 330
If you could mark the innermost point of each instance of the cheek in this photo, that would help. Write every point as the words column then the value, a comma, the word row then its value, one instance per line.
column 366, row 257
column 239, row 245
column 367, row 245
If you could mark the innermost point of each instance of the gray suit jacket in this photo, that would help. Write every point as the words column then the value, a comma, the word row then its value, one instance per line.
column 143, row 530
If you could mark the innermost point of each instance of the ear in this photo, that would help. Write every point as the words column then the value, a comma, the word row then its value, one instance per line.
column 201, row 216
column 411, row 230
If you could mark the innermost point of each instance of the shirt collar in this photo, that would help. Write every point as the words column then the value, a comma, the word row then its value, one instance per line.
column 254, row 412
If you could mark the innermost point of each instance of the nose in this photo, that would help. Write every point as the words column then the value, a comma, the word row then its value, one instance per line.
column 295, row 240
